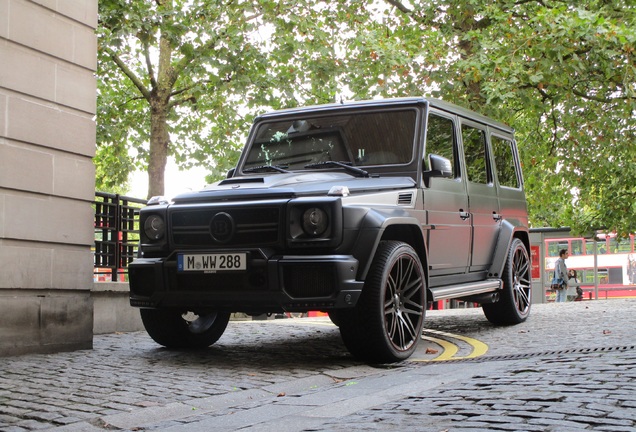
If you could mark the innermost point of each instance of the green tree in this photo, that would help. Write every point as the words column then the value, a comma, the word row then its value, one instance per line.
column 185, row 77
column 561, row 72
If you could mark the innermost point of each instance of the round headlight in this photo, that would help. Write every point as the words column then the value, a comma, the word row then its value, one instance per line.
column 154, row 227
column 315, row 221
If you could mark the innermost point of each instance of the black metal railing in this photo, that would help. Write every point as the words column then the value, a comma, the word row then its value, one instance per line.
column 116, row 235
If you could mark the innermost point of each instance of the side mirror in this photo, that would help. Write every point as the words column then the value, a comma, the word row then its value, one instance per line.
column 440, row 167
column 230, row 173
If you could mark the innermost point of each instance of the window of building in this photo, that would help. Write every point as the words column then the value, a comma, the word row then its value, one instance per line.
column 555, row 246
column 577, row 247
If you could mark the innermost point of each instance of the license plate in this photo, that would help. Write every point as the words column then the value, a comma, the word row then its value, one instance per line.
column 212, row 263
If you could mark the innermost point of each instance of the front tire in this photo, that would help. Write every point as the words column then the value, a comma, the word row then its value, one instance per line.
column 386, row 324
column 182, row 329
column 514, row 304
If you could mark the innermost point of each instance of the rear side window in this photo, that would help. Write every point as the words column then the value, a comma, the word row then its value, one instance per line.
column 440, row 139
column 505, row 162
column 475, row 154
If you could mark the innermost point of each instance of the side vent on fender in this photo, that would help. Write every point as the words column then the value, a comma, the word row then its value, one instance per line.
column 405, row 198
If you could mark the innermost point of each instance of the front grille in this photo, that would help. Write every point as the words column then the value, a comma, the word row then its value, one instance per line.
column 252, row 226
column 308, row 281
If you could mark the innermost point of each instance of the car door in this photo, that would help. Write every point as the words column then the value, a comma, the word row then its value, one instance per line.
column 446, row 202
column 483, row 201
column 512, row 201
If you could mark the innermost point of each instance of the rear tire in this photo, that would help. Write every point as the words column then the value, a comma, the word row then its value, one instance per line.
column 386, row 324
column 182, row 329
column 514, row 304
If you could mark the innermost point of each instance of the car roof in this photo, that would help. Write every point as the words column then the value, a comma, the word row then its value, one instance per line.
column 392, row 102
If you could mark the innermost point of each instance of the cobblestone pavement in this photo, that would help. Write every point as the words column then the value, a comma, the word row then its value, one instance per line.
column 569, row 367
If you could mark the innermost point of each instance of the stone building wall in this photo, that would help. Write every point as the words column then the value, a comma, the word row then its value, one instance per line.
column 47, row 179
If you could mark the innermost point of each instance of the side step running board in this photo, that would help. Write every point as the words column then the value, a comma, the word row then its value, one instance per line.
column 466, row 290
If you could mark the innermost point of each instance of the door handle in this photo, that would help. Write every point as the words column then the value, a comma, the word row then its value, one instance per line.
column 496, row 216
column 464, row 215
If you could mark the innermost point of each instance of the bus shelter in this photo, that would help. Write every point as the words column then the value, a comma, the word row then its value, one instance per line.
column 605, row 263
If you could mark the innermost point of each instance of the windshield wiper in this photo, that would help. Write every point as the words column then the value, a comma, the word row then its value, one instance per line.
column 346, row 165
column 278, row 168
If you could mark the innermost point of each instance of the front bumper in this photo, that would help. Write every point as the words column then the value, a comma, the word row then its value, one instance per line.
column 272, row 283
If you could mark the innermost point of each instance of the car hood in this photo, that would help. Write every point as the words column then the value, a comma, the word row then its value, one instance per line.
column 291, row 185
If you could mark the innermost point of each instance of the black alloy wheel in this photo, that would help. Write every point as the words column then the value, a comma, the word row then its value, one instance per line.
column 514, row 304
column 386, row 324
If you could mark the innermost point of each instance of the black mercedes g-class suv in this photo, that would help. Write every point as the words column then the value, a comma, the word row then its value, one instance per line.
column 365, row 210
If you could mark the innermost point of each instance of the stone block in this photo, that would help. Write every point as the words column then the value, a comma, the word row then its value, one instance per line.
column 4, row 19
column 3, row 113
column 57, row 128
column 69, row 168
column 76, row 87
column 57, row 172
column 72, row 268
column 20, row 162
column 31, row 72
column 27, row 71
column 2, row 216
column 24, row 265
column 67, row 315
column 20, row 318
column 84, row 11
column 48, row 219
column 40, row 321
column 31, row 266
column 52, row 33
column 112, row 310
column 85, row 42
column 47, row 31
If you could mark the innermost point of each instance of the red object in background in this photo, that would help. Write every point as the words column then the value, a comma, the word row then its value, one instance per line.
column 536, row 261
column 316, row 314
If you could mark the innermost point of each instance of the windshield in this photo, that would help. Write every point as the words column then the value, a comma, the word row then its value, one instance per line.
column 355, row 139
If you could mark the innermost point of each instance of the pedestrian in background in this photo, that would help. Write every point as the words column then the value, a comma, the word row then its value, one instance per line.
column 561, row 272
column 575, row 293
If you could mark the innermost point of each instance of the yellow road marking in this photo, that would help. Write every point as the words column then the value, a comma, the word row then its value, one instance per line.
column 450, row 349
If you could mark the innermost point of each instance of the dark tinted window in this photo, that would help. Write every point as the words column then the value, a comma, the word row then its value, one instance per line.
column 504, row 162
column 357, row 139
column 475, row 154
column 440, row 139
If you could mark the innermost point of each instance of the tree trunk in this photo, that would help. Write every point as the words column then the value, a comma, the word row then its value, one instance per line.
column 159, row 109
column 159, row 142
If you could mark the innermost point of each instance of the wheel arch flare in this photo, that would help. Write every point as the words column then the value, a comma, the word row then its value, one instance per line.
column 388, row 224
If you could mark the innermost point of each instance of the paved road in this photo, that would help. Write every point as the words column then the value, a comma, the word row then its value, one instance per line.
column 570, row 367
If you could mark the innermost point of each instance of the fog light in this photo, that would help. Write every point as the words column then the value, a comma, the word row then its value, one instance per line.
column 154, row 227
column 315, row 221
